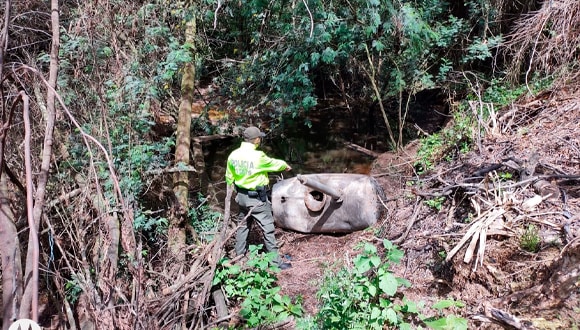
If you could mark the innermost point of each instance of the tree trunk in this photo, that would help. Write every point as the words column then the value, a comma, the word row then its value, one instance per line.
column 181, row 179
column 10, row 251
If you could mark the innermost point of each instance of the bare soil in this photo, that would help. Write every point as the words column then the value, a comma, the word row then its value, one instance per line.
column 505, row 287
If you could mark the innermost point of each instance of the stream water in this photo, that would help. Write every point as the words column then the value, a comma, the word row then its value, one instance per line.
column 318, row 148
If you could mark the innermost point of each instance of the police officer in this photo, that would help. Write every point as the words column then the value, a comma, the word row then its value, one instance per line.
column 248, row 168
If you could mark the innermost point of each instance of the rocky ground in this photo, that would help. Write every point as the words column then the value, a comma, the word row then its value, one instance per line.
column 520, row 185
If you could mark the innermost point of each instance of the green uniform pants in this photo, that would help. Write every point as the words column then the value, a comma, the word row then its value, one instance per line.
column 262, row 214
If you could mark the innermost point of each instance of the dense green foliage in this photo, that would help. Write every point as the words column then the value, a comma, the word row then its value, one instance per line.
column 125, row 94
column 290, row 54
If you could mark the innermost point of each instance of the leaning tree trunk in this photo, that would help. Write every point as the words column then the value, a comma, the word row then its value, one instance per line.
column 181, row 179
column 10, row 251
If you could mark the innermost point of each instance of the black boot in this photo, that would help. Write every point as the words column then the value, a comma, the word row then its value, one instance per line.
column 285, row 265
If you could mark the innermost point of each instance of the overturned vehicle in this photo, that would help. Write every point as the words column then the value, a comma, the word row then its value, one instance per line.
column 327, row 203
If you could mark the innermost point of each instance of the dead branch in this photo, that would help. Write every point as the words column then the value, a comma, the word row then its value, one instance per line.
column 64, row 197
column 183, row 168
column 477, row 233
column 411, row 221
column 13, row 178
column 503, row 318
column 220, row 304
column 473, row 187
column 197, row 283
column 285, row 324
column 485, row 170
column 361, row 149
column 209, row 138
column 218, row 249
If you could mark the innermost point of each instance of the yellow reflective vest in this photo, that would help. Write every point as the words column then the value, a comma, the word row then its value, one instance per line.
column 248, row 168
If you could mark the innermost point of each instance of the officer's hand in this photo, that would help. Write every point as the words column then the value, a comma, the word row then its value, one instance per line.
column 288, row 168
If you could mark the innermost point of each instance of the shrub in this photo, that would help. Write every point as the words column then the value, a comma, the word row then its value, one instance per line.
column 366, row 297
column 255, row 285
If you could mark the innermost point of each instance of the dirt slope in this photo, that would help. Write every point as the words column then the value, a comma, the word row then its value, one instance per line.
column 530, row 149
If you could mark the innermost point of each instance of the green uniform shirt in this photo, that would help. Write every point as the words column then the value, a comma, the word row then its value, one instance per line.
column 248, row 168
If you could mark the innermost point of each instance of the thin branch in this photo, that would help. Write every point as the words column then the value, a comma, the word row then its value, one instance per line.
column 410, row 222
column 215, row 13
column 372, row 78
column 33, row 234
column 64, row 197
column 311, row 18
column 534, row 48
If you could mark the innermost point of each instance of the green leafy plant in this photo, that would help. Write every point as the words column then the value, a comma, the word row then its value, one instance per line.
column 73, row 289
column 365, row 297
column 307, row 323
column 436, row 203
column 530, row 239
column 449, row 322
column 255, row 286
column 468, row 218
column 502, row 93
column 146, row 221
column 505, row 176
column 446, row 322
column 430, row 146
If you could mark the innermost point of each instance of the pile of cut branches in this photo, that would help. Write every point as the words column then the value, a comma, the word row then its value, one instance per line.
column 524, row 174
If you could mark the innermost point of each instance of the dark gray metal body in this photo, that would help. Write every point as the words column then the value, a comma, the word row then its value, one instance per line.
column 327, row 203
